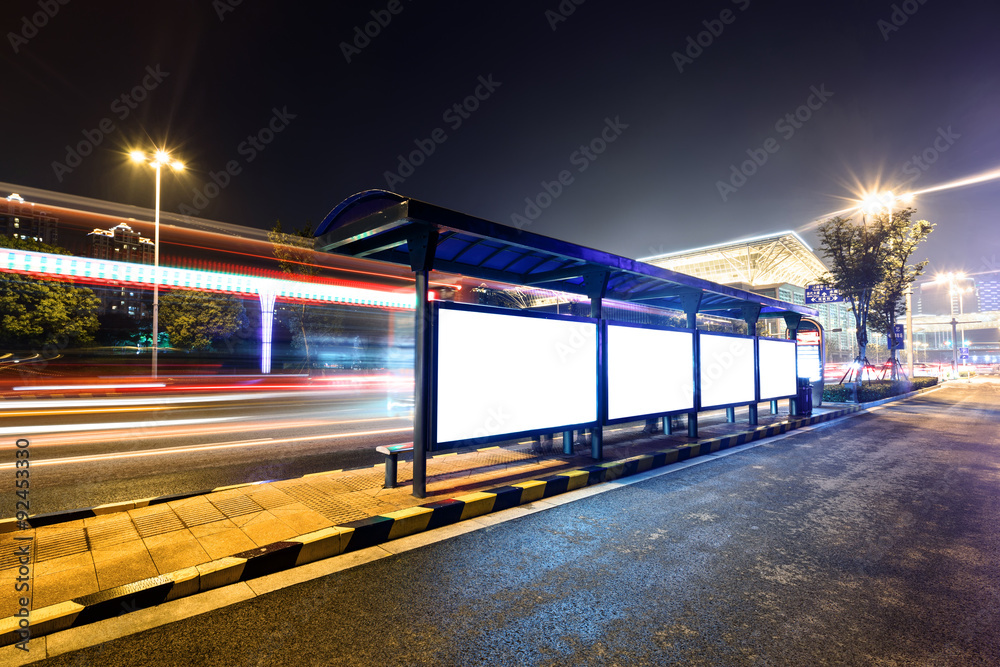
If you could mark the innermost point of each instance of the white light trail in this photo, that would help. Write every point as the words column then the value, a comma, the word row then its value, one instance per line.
column 117, row 456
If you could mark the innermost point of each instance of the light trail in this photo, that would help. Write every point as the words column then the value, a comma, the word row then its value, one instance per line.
column 73, row 428
column 984, row 177
column 69, row 387
column 90, row 437
column 111, row 402
column 197, row 448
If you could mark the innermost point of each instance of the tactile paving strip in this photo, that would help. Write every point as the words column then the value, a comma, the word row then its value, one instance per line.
column 332, row 509
column 56, row 545
column 112, row 531
column 237, row 506
column 197, row 514
column 157, row 524
column 9, row 557
column 269, row 498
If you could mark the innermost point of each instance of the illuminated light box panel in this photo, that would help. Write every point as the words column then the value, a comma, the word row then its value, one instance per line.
column 650, row 371
column 777, row 368
column 500, row 374
column 727, row 370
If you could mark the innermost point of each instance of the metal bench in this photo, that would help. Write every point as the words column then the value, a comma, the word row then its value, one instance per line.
column 392, row 453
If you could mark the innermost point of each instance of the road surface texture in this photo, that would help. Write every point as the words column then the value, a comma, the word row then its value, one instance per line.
column 869, row 541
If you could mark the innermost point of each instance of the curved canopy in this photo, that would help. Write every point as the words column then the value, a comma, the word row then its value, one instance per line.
column 392, row 228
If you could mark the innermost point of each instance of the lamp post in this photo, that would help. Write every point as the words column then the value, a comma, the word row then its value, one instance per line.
column 158, row 159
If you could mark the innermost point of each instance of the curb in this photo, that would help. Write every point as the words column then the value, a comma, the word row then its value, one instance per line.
column 355, row 535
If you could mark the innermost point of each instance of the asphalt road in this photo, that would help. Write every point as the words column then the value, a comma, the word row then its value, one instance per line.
column 869, row 541
column 87, row 452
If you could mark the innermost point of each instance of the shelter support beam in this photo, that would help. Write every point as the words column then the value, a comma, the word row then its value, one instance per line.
column 691, row 302
column 421, row 247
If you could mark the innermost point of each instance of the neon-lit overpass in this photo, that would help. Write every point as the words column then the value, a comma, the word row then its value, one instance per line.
column 267, row 289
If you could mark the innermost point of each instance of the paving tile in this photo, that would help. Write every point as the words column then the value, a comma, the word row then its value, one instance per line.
column 123, row 564
column 301, row 519
column 267, row 528
column 225, row 543
column 62, row 564
column 175, row 551
column 64, row 585
column 210, row 528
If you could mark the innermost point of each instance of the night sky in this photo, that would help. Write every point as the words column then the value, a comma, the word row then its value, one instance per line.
column 643, row 125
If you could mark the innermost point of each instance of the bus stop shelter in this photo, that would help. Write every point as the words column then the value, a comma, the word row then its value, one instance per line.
column 389, row 227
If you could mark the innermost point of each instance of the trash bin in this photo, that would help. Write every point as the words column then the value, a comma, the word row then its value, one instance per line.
column 804, row 398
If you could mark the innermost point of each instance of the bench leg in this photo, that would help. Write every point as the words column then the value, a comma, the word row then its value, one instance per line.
column 390, row 471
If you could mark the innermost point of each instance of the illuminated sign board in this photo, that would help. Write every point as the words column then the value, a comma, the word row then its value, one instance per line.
column 727, row 370
column 501, row 373
column 649, row 371
column 777, row 368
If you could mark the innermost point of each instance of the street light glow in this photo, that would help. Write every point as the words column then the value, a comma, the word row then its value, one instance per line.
column 137, row 156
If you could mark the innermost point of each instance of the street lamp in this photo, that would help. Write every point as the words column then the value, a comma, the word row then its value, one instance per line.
column 157, row 160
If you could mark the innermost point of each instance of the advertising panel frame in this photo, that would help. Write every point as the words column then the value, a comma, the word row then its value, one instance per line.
column 652, row 415
column 702, row 405
column 783, row 341
column 437, row 307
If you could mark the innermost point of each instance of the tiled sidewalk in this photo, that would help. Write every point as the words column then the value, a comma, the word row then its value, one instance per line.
column 76, row 558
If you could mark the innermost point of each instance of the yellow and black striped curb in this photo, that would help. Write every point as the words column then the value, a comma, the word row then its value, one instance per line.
column 364, row 533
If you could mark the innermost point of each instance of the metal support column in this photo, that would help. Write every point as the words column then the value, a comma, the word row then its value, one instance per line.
column 691, row 302
column 792, row 321
column 668, row 425
column 751, row 315
column 731, row 415
column 421, row 247
column 421, row 387
column 597, row 285
column 568, row 443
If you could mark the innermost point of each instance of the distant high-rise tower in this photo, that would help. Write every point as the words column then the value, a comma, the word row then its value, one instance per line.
column 19, row 219
column 123, row 244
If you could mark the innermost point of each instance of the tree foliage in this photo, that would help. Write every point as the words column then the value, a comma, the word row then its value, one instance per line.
column 888, row 299
column 36, row 313
column 195, row 320
column 31, row 244
column 869, row 266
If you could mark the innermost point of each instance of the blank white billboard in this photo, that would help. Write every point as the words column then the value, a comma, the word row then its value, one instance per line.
column 727, row 370
column 777, row 368
column 499, row 374
column 649, row 371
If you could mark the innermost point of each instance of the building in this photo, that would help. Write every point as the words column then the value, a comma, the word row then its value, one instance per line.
column 19, row 219
column 122, row 243
column 779, row 266
column 988, row 287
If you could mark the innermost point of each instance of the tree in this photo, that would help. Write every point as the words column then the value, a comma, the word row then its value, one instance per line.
column 195, row 320
column 37, row 313
column 31, row 244
column 856, row 254
column 888, row 298
column 296, row 253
